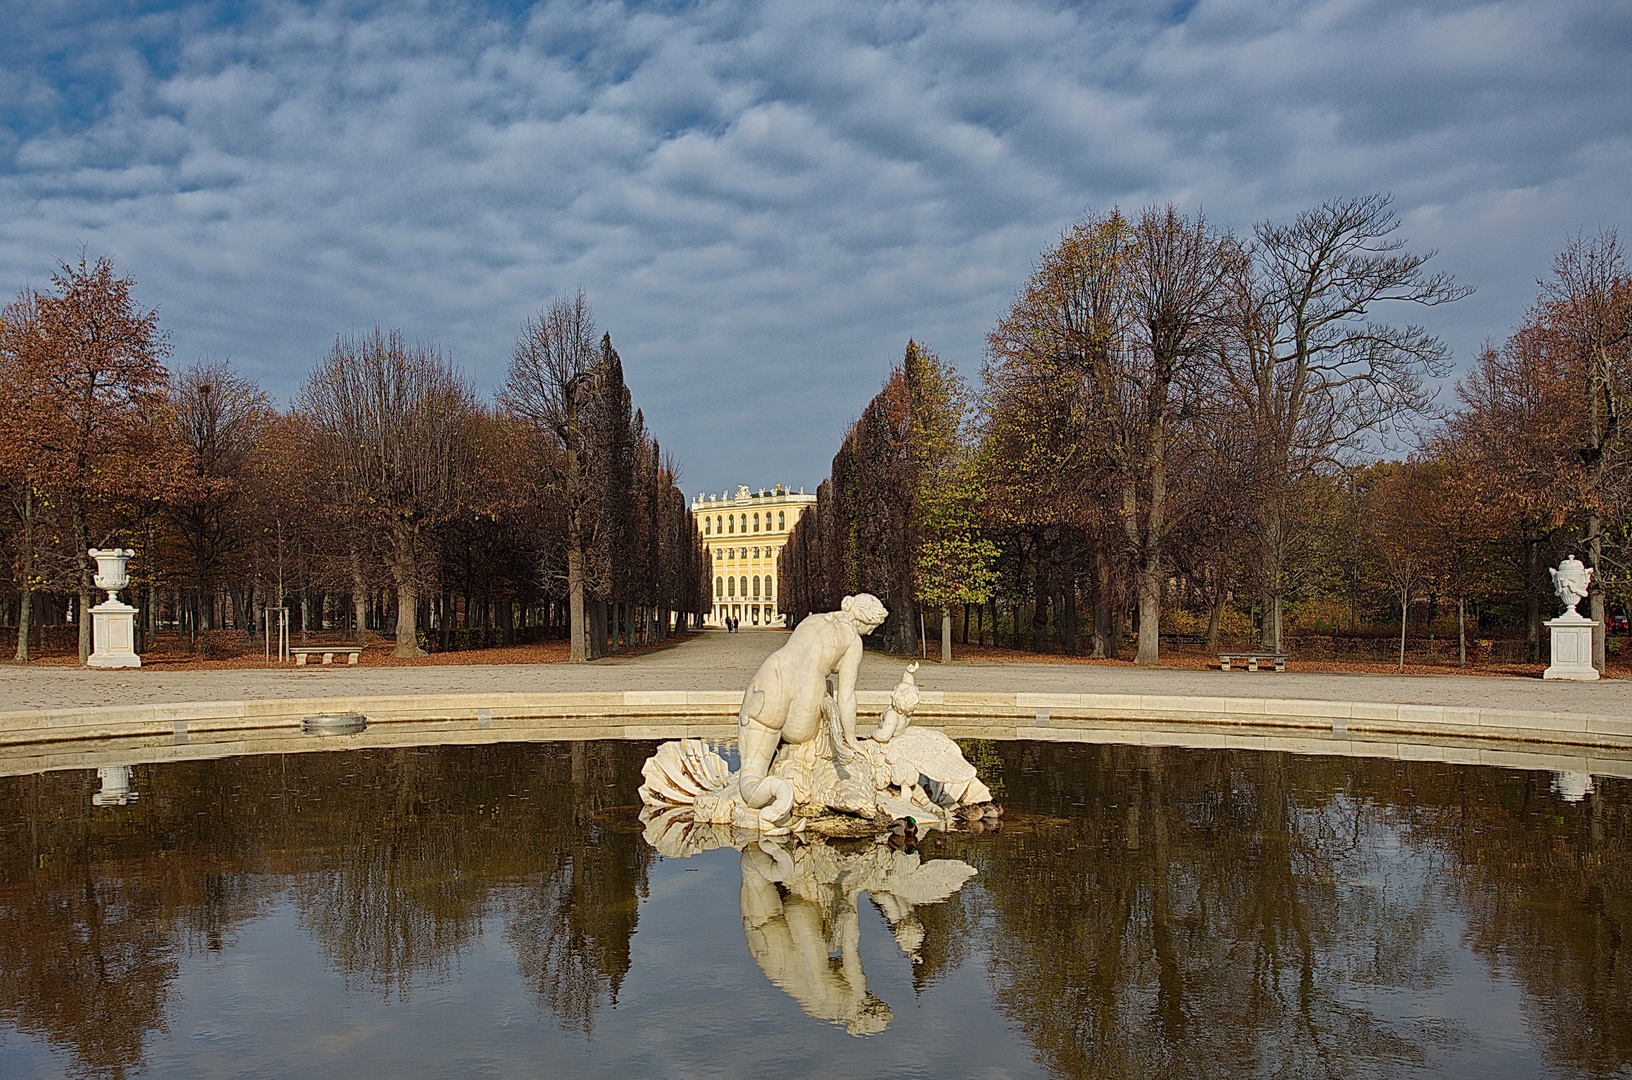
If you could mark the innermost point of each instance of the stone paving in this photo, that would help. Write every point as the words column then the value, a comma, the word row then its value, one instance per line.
column 719, row 661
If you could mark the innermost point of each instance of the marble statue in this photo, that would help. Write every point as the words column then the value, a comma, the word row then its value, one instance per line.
column 802, row 765
column 784, row 699
column 800, row 908
column 903, row 700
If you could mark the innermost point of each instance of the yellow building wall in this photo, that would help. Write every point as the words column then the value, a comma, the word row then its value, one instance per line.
column 745, row 534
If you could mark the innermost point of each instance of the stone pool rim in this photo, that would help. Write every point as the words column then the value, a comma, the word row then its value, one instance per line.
column 659, row 714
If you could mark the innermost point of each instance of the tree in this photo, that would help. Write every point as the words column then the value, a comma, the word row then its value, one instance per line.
column 220, row 418
column 393, row 419
column 953, row 563
column 85, row 380
column 553, row 375
column 1305, row 370
column 1126, row 311
column 1587, row 304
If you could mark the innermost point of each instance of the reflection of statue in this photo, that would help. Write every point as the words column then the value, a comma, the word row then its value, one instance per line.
column 801, row 909
column 1571, row 581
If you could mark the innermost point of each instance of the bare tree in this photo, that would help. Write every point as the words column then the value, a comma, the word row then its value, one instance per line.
column 393, row 420
column 553, row 379
column 1306, row 371
column 219, row 420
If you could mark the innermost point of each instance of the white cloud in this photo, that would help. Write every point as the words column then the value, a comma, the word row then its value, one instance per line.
column 764, row 201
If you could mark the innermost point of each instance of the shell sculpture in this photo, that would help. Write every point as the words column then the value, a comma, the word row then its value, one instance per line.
column 680, row 771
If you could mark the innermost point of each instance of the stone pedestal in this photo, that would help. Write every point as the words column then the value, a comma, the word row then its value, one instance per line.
column 113, row 631
column 1572, row 648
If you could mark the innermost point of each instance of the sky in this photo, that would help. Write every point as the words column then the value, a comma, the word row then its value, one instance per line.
column 764, row 201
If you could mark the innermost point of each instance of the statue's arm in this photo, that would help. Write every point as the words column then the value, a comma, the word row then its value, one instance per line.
column 849, row 667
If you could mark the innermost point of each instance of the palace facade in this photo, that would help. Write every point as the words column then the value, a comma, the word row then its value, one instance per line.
column 744, row 534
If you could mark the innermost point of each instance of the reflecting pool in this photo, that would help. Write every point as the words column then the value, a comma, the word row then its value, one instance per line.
column 498, row 910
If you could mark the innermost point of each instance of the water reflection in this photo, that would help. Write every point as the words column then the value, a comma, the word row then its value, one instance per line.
column 115, row 780
column 801, row 913
column 1143, row 912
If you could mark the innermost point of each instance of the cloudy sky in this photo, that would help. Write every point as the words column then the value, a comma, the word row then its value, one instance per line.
column 763, row 201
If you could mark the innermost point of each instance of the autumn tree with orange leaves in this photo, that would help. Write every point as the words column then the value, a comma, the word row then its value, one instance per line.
column 85, row 384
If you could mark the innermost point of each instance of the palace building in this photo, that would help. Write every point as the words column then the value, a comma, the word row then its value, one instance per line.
column 744, row 534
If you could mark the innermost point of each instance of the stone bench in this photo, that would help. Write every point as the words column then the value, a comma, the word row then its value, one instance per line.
column 328, row 652
column 1252, row 659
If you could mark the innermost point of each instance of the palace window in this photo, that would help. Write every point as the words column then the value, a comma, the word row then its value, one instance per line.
column 733, row 520
column 731, row 586
column 745, row 523
column 719, row 586
column 708, row 526
column 756, row 585
column 756, row 522
column 767, row 586
column 756, row 553
column 745, row 586
column 782, row 522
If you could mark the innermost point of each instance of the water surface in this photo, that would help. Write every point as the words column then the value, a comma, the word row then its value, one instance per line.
column 494, row 910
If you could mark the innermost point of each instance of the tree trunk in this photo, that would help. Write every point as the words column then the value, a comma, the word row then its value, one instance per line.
column 1068, row 601
column 946, row 635
column 1270, row 540
column 1104, row 605
column 1532, row 593
column 1462, row 631
column 909, row 627
column 1149, row 584
column 1595, row 557
column 577, row 632
column 1215, row 618
column 25, row 610
column 359, row 594
column 82, row 558
column 1405, row 606
column 404, row 568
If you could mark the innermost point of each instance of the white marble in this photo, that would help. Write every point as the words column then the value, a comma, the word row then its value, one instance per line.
column 113, row 624
column 1572, row 648
column 1571, row 581
column 796, row 734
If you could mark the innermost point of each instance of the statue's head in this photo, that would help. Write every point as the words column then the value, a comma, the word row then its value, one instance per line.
column 865, row 610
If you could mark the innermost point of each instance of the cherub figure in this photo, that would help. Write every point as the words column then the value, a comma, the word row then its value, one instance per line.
column 898, row 714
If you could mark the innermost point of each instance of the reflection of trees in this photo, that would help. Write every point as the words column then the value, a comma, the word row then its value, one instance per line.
column 396, row 856
column 573, row 918
column 1176, row 913
column 1547, row 886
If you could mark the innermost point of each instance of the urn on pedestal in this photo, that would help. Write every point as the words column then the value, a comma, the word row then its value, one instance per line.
column 1572, row 631
column 113, row 623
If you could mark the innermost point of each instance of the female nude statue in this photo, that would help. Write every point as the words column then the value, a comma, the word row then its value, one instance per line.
column 783, row 702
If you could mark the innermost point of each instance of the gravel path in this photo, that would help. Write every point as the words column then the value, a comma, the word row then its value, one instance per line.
column 718, row 661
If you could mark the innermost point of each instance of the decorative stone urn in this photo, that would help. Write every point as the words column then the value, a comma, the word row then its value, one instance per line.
column 113, row 624
column 1571, row 631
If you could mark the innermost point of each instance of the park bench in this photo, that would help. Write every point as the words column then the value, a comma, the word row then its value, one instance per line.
column 1252, row 659
column 301, row 652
